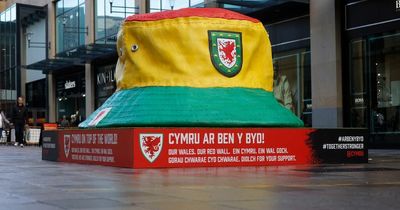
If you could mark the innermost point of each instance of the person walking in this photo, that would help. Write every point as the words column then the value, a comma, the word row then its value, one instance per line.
column 64, row 122
column 3, row 121
column 19, row 117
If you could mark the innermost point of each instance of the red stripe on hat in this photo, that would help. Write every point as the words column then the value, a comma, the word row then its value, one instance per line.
column 191, row 12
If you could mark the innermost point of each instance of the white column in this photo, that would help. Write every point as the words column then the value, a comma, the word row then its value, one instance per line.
column 22, row 69
column 51, row 91
column 143, row 5
column 51, row 27
column 89, row 21
column 326, row 72
column 89, row 89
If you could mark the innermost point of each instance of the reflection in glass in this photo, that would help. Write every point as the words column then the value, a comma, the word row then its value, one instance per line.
column 358, row 94
column 82, row 30
column 109, row 16
column 59, row 7
column 8, row 58
column 70, row 25
column 285, row 79
column 384, row 65
column 292, row 83
column 69, row 4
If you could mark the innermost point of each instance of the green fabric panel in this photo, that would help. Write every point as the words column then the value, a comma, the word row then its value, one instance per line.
column 187, row 106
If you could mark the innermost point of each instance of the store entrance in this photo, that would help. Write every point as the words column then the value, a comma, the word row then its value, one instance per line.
column 375, row 87
column 72, row 108
column 385, row 83
column 71, row 99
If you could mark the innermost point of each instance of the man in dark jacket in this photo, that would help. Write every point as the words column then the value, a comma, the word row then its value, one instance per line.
column 19, row 117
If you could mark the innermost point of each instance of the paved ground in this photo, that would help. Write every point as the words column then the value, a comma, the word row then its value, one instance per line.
column 28, row 183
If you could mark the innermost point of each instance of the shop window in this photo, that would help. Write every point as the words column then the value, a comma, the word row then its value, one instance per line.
column 8, row 58
column 36, row 94
column 109, row 16
column 292, row 83
column 375, row 83
column 70, row 24
column 358, row 92
column 71, row 98
column 384, row 65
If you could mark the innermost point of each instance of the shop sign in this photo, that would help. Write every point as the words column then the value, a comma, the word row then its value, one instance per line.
column 72, row 84
column 105, row 75
column 359, row 100
column 69, row 84
column 397, row 5
column 105, row 81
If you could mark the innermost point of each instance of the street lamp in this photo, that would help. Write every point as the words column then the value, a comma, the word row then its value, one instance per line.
column 29, row 36
column 111, row 5
column 120, row 7
column 172, row 4
column 76, row 30
column 32, row 44
column 64, row 20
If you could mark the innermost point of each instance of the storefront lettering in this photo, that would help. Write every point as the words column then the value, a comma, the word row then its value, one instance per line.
column 397, row 5
column 359, row 100
column 69, row 84
column 105, row 77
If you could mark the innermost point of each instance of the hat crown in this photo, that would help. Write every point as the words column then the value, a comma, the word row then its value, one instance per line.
column 194, row 47
column 193, row 67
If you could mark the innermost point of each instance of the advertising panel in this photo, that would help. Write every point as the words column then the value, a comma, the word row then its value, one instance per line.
column 205, row 147
column 191, row 147
column 110, row 147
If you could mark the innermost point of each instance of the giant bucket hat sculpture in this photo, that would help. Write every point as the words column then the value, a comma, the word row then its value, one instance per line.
column 193, row 67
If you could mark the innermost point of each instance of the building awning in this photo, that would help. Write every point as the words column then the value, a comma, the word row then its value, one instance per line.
column 49, row 65
column 75, row 57
column 90, row 52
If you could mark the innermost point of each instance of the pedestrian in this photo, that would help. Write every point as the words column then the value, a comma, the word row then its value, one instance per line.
column 74, row 121
column 3, row 121
column 64, row 122
column 19, row 117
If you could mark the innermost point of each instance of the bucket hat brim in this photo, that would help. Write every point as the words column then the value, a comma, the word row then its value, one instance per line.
column 193, row 107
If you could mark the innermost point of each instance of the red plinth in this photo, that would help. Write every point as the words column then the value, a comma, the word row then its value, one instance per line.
column 205, row 147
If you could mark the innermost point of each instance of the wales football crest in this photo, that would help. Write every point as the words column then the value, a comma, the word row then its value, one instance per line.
column 226, row 51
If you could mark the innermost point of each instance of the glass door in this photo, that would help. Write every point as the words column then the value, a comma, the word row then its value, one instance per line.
column 384, row 67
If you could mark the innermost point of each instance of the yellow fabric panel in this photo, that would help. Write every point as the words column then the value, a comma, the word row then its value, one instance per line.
column 175, row 52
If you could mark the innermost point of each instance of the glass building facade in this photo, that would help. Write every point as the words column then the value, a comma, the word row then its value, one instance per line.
column 372, row 82
column 375, row 82
column 70, row 24
column 8, row 58
column 109, row 16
